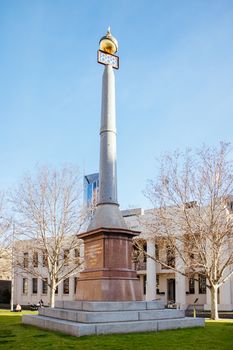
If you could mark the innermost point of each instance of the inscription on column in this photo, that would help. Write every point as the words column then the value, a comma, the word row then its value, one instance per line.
column 94, row 255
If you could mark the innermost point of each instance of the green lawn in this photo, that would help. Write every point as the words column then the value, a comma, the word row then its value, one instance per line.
column 14, row 335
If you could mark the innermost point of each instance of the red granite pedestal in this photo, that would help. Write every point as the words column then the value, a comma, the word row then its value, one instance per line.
column 108, row 273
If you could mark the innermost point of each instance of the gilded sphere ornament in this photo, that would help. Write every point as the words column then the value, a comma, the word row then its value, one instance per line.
column 108, row 43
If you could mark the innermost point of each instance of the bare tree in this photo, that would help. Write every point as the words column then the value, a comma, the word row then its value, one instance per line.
column 5, row 239
column 50, row 215
column 193, row 214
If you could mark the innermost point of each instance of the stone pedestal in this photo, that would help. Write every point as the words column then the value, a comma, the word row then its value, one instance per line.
column 79, row 318
column 108, row 273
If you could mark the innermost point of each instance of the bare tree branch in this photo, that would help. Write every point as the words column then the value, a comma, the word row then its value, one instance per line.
column 50, row 215
column 193, row 200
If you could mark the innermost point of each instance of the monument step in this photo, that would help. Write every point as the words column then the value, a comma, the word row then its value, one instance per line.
column 110, row 316
column 53, row 324
column 110, row 305
column 81, row 329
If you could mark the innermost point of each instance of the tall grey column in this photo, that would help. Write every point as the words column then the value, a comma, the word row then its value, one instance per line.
column 108, row 274
column 107, row 213
column 108, row 170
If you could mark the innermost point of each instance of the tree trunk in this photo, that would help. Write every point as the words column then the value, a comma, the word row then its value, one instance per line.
column 214, row 302
column 52, row 298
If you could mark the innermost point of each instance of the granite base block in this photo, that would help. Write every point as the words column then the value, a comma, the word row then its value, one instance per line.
column 89, row 318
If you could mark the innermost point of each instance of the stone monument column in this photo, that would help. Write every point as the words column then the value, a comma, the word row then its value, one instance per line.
column 108, row 273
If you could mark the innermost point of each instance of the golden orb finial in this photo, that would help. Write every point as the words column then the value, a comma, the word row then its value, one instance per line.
column 108, row 43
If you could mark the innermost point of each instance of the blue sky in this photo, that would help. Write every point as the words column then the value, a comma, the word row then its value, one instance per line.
column 174, row 86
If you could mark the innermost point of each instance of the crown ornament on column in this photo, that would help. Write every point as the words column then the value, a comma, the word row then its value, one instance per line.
column 108, row 46
column 108, row 43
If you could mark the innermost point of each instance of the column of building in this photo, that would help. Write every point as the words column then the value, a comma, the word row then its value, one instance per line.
column 40, row 283
column 151, row 271
column 225, row 298
column 180, row 279
column 226, row 295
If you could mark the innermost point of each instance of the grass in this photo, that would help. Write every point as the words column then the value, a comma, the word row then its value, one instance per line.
column 14, row 335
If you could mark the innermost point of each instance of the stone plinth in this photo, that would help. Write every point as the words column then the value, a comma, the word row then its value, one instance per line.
column 93, row 318
column 109, row 273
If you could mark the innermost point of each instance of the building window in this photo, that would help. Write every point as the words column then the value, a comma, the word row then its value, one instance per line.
column 157, row 281
column 77, row 255
column 66, row 286
column 45, row 259
column 56, row 290
column 191, row 286
column 75, row 284
column 145, row 251
column 202, row 284
column 66, row 257
column 25, row 285
column 34, row 285
column 156, row 251
column 25, row 260
column 35, row 259
column 144, row 284
column 45, row 286
column 170, row 256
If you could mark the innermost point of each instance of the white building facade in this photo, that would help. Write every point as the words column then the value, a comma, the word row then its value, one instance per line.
column 30, row 282
column 156, row 281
